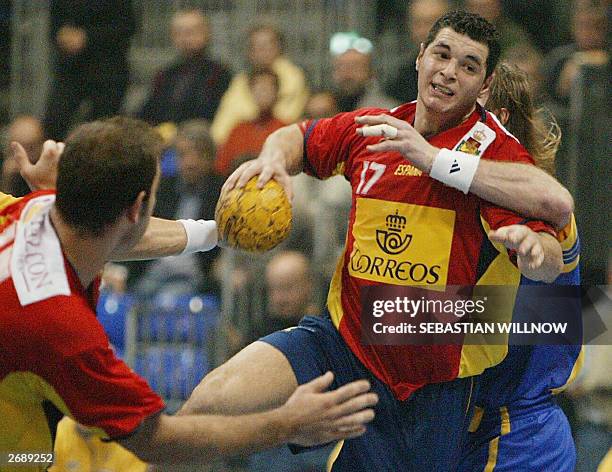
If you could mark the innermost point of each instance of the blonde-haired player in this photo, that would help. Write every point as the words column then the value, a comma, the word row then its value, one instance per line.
column 517, row 424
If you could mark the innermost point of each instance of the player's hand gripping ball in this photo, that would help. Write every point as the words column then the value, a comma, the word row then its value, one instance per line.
column 253, row 219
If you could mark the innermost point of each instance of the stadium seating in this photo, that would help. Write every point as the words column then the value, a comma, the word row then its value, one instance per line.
column 113, row 310
column 172, row 335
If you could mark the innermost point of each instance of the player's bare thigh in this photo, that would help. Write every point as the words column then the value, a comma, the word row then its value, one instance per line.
column 257, row 378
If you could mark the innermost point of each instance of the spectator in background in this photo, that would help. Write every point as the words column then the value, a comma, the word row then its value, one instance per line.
column 589, row 29
column 247, row 138
column 421, row 16
column 510, row 33
column 322, row 202
column 90, row 43
column 289, row 284
column 321, row 104
column 546, row 21
column 192, row 196
column 193, row 85
column 354, row 81
column 312, row 197
column 27, row 131
column 265, row 51
column 529, row 59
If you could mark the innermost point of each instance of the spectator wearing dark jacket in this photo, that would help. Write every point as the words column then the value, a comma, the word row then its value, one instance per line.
column 90, row 42
column 193, row 194
column 191, row 87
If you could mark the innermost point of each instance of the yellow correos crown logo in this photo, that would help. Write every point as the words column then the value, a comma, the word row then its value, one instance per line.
column 392, row 241
column 385, row 251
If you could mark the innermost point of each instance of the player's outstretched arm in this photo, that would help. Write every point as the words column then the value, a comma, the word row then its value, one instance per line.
column 310, row 416
column 280, row 157
column 162, row 237
column 522, row 188
column 539, row 255
column 170, row 238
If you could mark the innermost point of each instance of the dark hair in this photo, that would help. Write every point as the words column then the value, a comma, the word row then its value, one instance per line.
column 103, row 168
column 511, row 89
column 475, row 27
column 259, row 72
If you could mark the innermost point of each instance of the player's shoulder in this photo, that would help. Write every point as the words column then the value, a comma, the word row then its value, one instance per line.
column 403, row 111
column 371, row 111
column 506, row 146
column 501, row 132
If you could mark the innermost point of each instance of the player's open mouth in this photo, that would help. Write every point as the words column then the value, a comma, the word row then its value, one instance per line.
column 443, row 90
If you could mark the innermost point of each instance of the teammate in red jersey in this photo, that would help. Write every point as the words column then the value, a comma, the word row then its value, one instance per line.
column 405, row 228
column 55, row 358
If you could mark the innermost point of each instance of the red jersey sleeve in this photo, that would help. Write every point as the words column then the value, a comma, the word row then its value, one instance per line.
column 97, row 388
column 108, row 394
column 328, row 142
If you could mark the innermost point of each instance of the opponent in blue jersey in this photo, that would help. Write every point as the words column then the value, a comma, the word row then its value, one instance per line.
column 517, row 425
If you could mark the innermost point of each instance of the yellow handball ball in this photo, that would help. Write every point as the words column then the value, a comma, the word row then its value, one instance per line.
column 254, row 219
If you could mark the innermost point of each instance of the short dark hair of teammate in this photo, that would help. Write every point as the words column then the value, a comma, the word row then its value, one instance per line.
column 103, row 168
column 473, row 26
column 511, row 90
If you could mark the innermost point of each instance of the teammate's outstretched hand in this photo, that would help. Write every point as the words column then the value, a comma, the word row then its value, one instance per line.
column 321, row 417
column 43, row 174
column 266, row 169
column 399, row 136
column 526, row 242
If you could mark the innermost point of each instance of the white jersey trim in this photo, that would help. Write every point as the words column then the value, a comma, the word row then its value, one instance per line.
column 503, row 128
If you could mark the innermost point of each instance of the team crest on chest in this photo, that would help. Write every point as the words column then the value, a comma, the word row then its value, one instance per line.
column 477, row 139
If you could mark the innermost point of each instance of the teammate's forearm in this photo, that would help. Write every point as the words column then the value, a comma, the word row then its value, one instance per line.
column 162, row 238
column 524, row 189
column 287, row 146
column 200, row 439
column 552, row 265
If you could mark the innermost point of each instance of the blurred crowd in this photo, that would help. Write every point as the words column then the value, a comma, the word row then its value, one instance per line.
column 214, row 118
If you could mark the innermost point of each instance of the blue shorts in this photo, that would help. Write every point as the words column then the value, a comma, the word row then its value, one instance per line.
column 424, row 433
column 531, row 440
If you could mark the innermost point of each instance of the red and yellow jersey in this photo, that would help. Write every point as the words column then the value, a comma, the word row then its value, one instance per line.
column 78, row 450
column 6, row 200
column 408, row 229
column 55, row 358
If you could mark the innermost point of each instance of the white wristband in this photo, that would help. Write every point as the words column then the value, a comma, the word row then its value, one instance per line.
column 201, row 235
column 455, row 169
